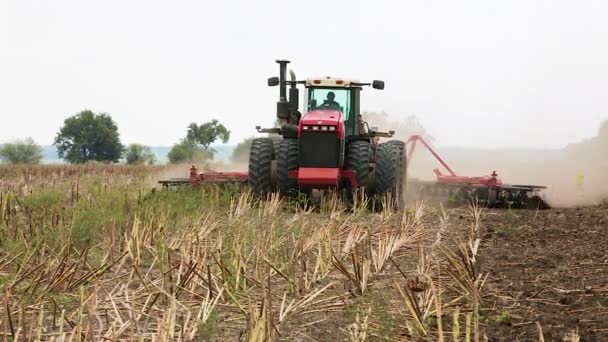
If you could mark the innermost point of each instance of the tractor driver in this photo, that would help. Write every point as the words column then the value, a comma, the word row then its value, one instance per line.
column 330, row 103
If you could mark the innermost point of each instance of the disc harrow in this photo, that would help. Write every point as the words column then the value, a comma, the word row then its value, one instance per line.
column 488, row 191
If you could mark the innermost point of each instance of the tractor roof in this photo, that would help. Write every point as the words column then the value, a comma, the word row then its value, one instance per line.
column 330, row 82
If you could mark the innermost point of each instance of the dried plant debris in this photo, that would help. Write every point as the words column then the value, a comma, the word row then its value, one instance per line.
column 90, row 253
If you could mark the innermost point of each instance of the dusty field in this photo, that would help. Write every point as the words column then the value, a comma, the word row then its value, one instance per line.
column 89, row 252
column 565, row 187
column 548, row 267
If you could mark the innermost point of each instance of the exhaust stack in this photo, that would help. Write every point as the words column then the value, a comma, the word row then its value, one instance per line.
column 283, row 104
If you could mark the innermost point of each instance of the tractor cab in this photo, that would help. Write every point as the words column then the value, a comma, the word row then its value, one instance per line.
column 343, row 95
column 333, row 94
column 328, row 95
column 322, row 95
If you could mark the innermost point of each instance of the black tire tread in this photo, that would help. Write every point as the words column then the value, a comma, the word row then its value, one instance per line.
column 386, row 168
column 402, row 159
column 357, row 159
column 390, row 170
column 261, row 155
column 287, row 160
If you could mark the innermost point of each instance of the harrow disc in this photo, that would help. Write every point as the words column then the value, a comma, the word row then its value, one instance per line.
column 453, row 195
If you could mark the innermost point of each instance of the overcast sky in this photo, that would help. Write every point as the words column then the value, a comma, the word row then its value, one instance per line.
column 475, row 73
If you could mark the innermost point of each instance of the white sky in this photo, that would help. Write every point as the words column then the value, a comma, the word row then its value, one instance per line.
column 475, row 73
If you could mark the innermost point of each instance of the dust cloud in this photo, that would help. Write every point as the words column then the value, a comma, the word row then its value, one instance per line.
column 222, row 166
column 569, row 183
column 167, row 172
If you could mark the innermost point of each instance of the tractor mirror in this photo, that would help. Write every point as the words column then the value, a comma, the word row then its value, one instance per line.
column 273, row 81
column 378, row 84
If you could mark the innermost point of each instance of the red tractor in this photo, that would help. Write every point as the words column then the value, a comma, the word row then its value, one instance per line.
column 328, row 147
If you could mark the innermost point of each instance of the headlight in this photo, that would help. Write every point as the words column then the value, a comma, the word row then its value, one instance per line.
column 319, row 128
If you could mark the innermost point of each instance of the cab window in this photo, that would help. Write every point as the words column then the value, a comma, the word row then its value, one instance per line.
column 330, row 98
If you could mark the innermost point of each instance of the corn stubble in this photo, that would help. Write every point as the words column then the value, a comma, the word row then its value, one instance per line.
column 87, row 253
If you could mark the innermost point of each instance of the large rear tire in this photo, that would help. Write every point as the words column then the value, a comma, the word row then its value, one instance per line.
column 261, row 155
column 400, row 146
column 357, row 159
column 276, row 141
column 391, row 165
column 287, row 160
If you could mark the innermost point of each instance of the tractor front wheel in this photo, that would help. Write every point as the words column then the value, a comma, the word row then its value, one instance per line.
column 287, row 160
column 357, row 159
column 261, row 155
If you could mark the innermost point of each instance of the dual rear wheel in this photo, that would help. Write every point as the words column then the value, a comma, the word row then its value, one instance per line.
column 386, row 184
column 270, row 161
column 261, row 156
column 391, row 174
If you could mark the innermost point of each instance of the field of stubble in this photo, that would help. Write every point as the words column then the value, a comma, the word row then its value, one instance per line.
column 90, row 253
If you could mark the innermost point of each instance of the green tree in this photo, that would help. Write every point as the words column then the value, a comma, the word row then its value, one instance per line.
column 196, row 146
column 188, row 151
column 241, row 151
column 207, row 133
column 87, row 136
column 24, row 151
column 139, row 154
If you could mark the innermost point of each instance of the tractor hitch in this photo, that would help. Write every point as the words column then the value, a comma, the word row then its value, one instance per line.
column 274, row 130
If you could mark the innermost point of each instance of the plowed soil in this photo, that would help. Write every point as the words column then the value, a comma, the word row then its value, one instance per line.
column 547, row 270
column 548, row 267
